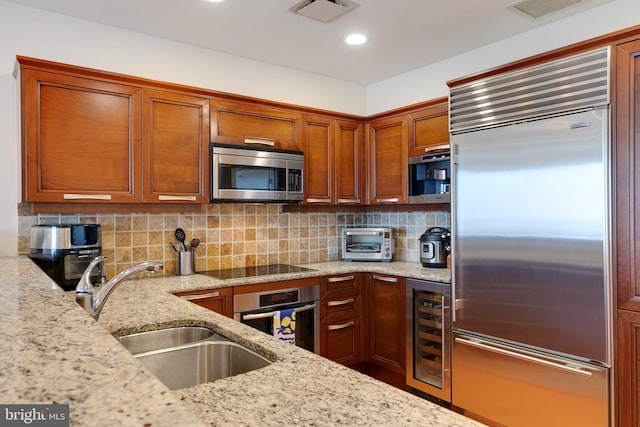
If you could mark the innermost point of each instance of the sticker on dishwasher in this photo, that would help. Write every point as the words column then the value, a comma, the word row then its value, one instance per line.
column 284, row 325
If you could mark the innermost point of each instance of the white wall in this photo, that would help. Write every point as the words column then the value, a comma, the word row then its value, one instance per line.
column 430, row 82
column 31, row 32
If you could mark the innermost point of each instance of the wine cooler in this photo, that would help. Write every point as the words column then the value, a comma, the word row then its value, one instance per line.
column 429, row 337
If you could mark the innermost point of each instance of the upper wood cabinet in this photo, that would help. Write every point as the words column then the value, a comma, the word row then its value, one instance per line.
column 81, row 139
column 88, row 138
column 333, row 161
column 252, row 124
column 388, row 165
column 175, row 147
column 429, row 129
column 627, row 223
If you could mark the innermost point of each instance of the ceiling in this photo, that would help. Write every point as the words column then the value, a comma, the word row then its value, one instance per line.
column 402, row 34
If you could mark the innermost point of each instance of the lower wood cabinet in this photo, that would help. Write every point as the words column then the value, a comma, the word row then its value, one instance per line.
column 218, row 300
column 386, row 322
column 341, row 314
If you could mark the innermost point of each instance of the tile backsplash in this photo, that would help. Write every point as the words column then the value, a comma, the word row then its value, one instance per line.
column 238, row 235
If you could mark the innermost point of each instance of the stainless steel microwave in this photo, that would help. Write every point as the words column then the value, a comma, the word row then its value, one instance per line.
column 246, row 174
column 430, row 178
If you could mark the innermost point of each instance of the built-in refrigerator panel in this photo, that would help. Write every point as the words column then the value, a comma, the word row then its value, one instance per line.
column 530, row 233
column 519, row 388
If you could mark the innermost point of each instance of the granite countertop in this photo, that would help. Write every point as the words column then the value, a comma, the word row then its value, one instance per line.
column 53, row 352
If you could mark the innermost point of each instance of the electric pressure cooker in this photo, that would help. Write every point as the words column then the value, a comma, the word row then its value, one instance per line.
column 434, row 245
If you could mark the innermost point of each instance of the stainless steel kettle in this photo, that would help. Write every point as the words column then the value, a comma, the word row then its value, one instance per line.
column 434, row 245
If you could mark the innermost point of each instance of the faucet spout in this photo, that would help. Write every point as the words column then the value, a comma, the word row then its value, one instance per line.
column 85, row 290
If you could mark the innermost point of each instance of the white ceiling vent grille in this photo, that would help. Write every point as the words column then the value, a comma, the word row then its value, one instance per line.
column 537, row 8
column 322, row 10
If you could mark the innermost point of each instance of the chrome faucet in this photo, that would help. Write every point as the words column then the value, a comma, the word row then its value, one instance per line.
column 84, row 290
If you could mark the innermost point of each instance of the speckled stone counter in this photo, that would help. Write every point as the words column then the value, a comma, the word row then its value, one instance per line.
column 52, row 351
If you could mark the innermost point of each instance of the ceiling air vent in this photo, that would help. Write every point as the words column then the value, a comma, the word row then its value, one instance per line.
column 537, row 8
column 322, row 10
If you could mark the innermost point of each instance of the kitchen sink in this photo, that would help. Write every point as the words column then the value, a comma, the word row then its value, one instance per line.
column 199, row 363
column 187, row 356
column 165, row 338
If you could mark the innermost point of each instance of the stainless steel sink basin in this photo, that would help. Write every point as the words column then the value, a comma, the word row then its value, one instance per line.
column 187, row 356
column 165, row 338
column 199, row 363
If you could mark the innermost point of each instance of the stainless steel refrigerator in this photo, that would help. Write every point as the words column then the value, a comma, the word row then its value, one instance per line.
column 531, row 260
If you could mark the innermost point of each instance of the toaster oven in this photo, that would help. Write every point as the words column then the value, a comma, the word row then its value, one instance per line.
column 367, row 244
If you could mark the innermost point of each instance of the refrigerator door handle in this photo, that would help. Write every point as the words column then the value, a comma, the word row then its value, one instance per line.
column 484, row 345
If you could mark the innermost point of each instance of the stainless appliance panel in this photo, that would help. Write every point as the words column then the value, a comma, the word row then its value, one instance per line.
column 530, row 233
column 521, row 388
column 367, row 244
column 257, row 309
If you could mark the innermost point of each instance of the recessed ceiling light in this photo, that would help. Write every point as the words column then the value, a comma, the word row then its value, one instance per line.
column 356, row 39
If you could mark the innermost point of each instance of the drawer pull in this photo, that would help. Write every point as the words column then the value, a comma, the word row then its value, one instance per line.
column 337, row 303
column 259, row 141
column 87, row 196
column 388, row 200
column 347, row 201
column 341, row 279
column 313, row 200
column 385, row 278
column 201, row 296
column 164, row 198
column 342, row 326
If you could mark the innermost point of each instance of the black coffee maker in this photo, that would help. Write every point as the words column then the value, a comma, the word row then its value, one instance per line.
column 64, row 251
column 435, row 244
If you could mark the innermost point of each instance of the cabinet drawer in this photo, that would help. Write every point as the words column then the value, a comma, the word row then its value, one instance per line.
column 339, row 309
column 342, row 342
column 343, row 284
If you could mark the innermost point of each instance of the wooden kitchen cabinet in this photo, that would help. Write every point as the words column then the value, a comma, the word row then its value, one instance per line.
column 386, row 322
column 175, row 140
column 81, row 139
column 627, row 226
column 88, row 138
column 429, row 129
column 388, row 170
column 234, row 122
column 219, row 300
column 333, row 161
column 342, row 322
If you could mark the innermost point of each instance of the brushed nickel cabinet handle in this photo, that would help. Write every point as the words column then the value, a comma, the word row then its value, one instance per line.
column 437, row 147
column 259, row 141
column 314, row 200
column 342, row 326
column 337, row 303
column 388, row 200
column 201, row 296
column 87, row 196
column 341, row 278
column 177, row 198
column 347, row 201
column 385, row 278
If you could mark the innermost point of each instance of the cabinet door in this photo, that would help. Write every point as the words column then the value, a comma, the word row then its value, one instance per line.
column 176, row 147
column 386, row 305
column 218, row 300
column 250, row 124
column 341, row 342
column 429, row 130
column 628, row 366
column 81, row 139
column 349, row 163
column 318, row 137
column 388, row 161
column 627, row 180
